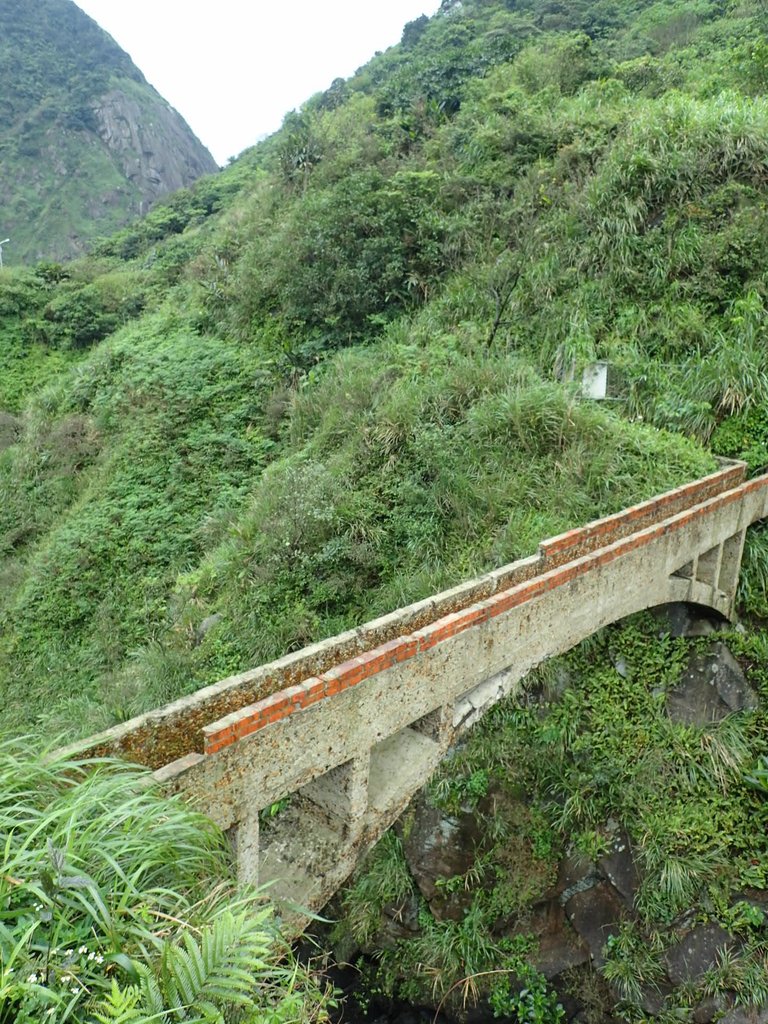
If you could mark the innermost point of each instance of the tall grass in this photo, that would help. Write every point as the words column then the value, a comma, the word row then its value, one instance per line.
column 407, row 472
column 753, row 581
column 117, row 904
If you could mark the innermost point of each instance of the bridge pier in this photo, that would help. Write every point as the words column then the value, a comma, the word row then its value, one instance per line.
column 716, row 569
column 244, row 837
column 729, row 566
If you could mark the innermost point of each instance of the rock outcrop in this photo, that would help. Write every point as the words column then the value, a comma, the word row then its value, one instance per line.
column 152, row 144
column 88, row 145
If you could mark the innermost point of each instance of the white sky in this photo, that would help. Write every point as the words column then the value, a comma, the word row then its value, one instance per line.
column 234, row 68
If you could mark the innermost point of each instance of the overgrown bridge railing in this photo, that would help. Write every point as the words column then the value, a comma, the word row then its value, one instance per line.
column 352, row 726
column 180, row 728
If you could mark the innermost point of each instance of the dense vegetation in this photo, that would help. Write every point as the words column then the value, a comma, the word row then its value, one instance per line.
column 589, row 750
column 118, row 906
column 64, row 182
column 345, row 372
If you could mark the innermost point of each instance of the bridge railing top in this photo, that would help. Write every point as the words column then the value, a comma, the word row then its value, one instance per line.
column 600, row 532
column 198, row 723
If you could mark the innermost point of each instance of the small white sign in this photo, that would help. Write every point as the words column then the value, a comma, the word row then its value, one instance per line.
column 594, row 381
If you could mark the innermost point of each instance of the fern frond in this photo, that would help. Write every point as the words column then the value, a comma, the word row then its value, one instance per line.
column 151, row 997
column 198, row 978
column 120, row 1006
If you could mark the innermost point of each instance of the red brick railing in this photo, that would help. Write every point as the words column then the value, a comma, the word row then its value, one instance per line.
column 635, row 518
column 218, row 715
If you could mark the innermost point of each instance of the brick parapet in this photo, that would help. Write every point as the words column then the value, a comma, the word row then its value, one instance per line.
column 605, row 531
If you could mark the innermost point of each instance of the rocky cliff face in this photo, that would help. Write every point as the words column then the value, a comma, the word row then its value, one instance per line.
column 86, row 143
column 151, row 143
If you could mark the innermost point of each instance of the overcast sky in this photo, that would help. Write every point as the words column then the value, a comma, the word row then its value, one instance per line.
column 233, row 68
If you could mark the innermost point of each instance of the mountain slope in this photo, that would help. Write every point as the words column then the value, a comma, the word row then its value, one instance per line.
column 86, row 143
column 340, row 374
column 344, row 373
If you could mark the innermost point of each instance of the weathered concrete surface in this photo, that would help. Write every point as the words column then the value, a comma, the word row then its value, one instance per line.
column 363, row 719
column 294, row 750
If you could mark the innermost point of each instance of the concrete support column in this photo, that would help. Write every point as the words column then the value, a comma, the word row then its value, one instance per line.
column 342, row 793
column 244, row 837
column 730, row 564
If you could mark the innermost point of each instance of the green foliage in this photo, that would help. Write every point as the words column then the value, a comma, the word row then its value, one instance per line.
column 479, row 213
column 461, row 961
column 70, row 47
column 459, row 466
column 186, row 209
column 744, row 918
column 563, row 65
column 382, row 879
column 753, row 581
column 743, row 974
column 515, row 191
column 83, row 313
column 753, row 63
column 533, row 1004
column 345, row 259
column 98, row 540
column 632, row 963
column 608, row 751
column 759, row 776
column 455, row 469
column 116, row 905
column 455, row 962
column 744, row 436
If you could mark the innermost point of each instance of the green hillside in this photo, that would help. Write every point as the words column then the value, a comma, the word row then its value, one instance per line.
column 344, row 372
column 85, row 143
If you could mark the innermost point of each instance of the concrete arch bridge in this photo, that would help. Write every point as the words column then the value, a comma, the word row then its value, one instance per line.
column 353, row 726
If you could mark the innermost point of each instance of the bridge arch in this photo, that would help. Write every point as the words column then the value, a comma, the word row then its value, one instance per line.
column 352, row 727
